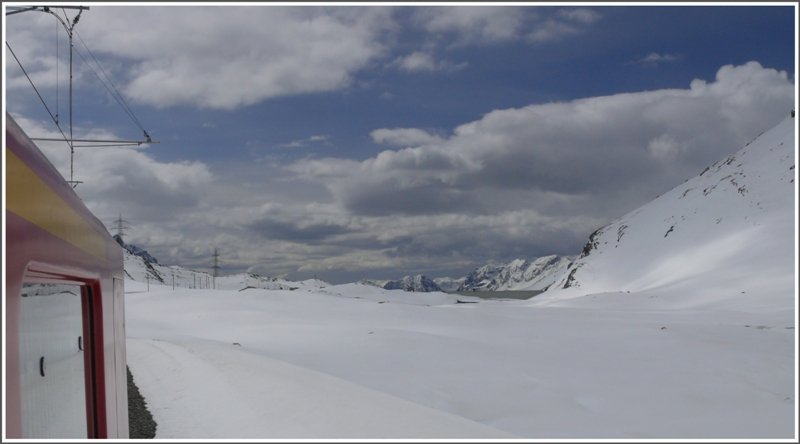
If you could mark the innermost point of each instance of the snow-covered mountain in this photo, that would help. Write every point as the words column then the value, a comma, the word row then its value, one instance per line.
column 135, row 250
column 448, row 284
column 729, row 230
column 138, row 267
column 519, row 274
column 415, row 283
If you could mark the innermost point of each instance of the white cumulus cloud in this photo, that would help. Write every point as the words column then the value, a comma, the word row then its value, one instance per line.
column 622, row 150
column 233, row 56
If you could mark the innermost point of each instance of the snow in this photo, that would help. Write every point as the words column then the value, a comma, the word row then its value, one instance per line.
column 220, row 391
column 682, row 334
column 355, row 361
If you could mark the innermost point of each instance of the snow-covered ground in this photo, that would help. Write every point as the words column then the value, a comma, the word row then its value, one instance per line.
column 356, row 361
column 680, row 322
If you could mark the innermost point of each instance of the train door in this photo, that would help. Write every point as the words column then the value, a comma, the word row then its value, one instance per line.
column 55, row 365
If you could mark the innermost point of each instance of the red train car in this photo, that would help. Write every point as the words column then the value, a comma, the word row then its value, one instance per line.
column 64, row 298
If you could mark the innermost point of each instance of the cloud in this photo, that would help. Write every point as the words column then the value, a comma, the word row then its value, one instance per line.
column 664, row 146
column 564, row 23
column 655, row 58
column 482, row 25
column 423, row 62
column 472, row 24
column 518, row 182
column 235, row 56
column 580, row 15
column 317, row 139
column 32, row 38
column 404, row 137
column 226, row 57
column 622, row 150
column 126, row 180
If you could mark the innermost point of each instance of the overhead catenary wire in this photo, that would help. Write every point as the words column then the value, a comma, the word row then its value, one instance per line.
column 109, row 145
column 55, row 120
column 69, row 25
column 120, row 99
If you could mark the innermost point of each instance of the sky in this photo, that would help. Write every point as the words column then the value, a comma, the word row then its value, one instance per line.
column 351, row 142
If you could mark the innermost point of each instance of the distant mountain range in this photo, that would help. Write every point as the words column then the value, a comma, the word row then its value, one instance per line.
column 413, row 283
column 519, row 274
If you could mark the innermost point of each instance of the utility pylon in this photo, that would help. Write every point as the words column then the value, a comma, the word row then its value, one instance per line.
column 216, row 267
column 121, row 225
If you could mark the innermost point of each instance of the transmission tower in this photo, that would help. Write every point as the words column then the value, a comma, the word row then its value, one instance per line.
column 216, row 263
column 121, row 225
column 215, row 267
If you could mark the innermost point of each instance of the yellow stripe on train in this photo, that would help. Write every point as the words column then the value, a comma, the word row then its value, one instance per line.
column 30, row 198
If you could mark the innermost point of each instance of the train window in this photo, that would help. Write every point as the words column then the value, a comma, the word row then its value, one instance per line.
column 52, row 361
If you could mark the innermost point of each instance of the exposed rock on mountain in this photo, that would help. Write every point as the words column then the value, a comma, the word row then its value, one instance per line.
column 413, row 283
column 449, row 284
column 519, row 274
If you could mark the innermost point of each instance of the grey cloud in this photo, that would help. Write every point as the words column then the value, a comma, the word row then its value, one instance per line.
column 598, row 146
column 124, row 179
column 385, row 198
column 297, row 232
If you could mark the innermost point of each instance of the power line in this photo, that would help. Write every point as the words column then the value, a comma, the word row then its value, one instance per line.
column 69, row 26
column 120, row 99
column 55, row 119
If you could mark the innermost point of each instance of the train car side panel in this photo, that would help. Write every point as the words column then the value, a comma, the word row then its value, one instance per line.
column 52, row 238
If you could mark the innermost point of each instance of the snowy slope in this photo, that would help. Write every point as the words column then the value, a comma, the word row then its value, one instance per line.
column 138, row 268
column 728, row 231
column 519, row 274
